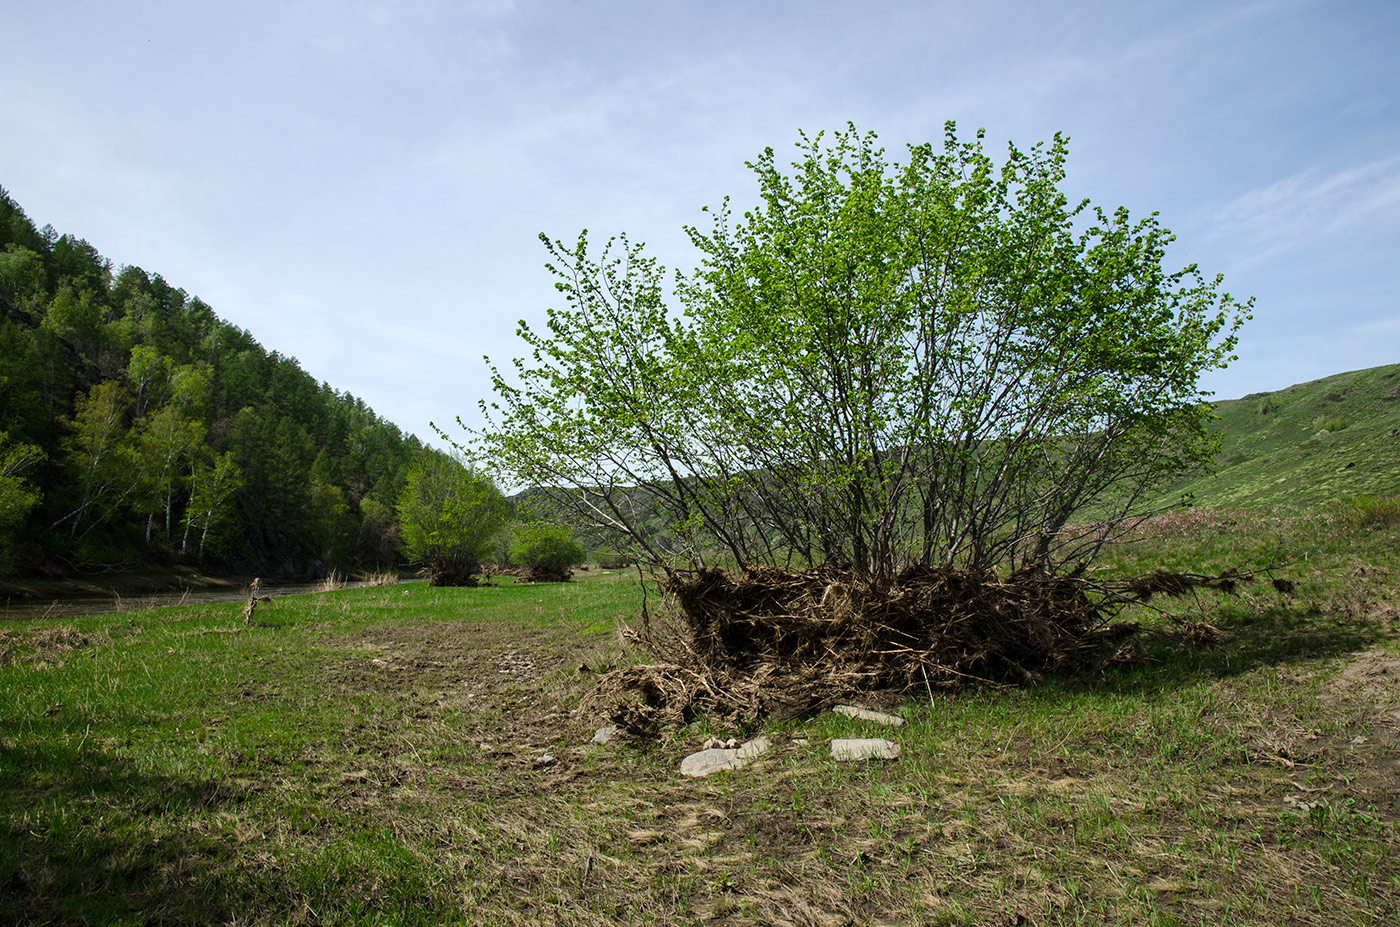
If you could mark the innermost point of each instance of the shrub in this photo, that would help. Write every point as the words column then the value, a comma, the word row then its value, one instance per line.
column 611, row 559
column 450, row 514
column 546, row 551
column 1323, row 423
column 934, row 363
column 1377, row 513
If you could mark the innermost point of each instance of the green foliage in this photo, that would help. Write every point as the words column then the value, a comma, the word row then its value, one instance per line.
column 165, row 447
column 936, row 361
column 21, row 274
column 377, row 541
column 450, row 514
column 1328, row 424
column 208, row 517
column 545, row 548
column 168, row 432
column 18, row 496
column 99, row 458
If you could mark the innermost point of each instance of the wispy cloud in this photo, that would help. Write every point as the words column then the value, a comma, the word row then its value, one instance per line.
column 1299, row 209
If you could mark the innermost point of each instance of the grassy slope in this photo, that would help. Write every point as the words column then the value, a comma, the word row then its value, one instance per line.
column 1277, row 449
column 376, row 756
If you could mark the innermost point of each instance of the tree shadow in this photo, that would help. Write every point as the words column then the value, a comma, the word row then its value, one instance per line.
column 1274, row 636
column 89, row 838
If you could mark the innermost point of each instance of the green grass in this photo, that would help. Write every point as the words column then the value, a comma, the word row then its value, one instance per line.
column 376, row 756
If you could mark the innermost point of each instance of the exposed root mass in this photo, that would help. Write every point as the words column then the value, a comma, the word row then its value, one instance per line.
column 783, row 643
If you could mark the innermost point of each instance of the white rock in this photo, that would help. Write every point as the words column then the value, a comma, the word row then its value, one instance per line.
column 865, row 714
column 708, row 762
column 717, row 759
column 867, row 748
column 755, row 748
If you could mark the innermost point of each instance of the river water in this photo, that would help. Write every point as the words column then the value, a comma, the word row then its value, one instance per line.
column 15, row 608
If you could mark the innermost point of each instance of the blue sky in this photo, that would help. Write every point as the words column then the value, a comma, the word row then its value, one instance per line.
column 361, row 184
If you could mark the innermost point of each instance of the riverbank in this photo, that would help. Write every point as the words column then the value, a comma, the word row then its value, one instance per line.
column 140, row 582
column 121, row 591
column 145, row 580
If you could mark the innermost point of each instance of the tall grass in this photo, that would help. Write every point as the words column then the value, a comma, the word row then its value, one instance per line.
column 380, row 578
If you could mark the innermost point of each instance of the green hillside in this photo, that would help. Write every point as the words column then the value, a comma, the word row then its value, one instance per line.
column 140, row 430
column 1316, row 442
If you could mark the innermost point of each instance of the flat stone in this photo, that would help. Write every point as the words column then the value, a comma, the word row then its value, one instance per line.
column 708, row 762
column 606, row 734
column 755, row 748
column 866, row 748
column 718, row 759
column 865, row 714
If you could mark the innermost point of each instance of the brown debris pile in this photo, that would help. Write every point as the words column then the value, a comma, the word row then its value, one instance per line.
column 1175, row 585
column 782, row 643
column 545, row 573
column 451, row 574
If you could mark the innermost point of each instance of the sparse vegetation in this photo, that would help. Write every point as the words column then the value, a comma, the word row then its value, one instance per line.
column 1377, row 513
column 609, row 559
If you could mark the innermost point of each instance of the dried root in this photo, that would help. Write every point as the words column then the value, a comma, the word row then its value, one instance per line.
column 1175, row 585
column 776, row 643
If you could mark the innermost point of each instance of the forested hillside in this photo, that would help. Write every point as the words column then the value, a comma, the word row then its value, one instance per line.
column 137, row 427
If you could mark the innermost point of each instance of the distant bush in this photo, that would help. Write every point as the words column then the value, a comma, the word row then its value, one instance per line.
column 450, row 514
column 611, row 559
column 1323, row 423
column 546, row 551
column 1377, row 513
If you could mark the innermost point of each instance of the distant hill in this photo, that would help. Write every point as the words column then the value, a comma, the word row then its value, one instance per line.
column 1317, row 442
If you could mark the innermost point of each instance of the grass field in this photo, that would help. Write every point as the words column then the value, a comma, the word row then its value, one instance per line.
column 378, row 756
